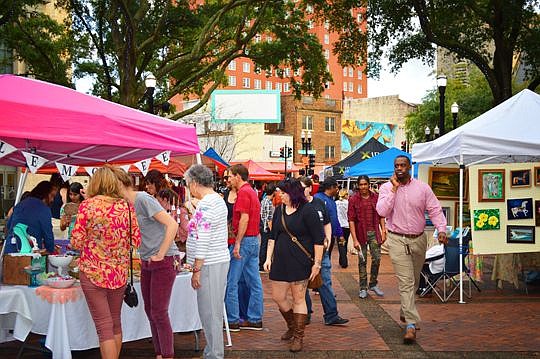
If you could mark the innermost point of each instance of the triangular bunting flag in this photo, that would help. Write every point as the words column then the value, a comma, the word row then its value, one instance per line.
column 91, row 170
column 164, row 157
column 143, row 165
column 66, row 171
column 125, row 168
column 6, row 149
column 33, row 161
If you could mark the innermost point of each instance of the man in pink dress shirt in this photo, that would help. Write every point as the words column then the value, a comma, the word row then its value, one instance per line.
column 403, row 201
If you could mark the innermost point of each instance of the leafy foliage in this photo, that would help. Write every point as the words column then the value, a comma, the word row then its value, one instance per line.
column 488, row 33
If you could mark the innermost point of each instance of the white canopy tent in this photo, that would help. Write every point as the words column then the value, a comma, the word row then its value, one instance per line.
column 509, row 132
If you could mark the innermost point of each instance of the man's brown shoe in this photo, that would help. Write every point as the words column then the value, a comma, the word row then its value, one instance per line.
column 410, row 336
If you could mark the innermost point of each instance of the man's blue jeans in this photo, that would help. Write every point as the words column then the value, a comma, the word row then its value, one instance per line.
column 248, row 265
column 328, row 300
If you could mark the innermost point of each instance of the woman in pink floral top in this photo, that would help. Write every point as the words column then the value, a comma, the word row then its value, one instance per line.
column 102, row 235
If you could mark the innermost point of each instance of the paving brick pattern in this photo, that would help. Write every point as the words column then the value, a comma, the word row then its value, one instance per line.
column 493, row 324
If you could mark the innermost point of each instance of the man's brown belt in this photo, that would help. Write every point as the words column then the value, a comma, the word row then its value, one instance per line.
column 406, row 235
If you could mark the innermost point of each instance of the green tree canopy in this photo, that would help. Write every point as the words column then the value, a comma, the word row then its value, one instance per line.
column 488, row 33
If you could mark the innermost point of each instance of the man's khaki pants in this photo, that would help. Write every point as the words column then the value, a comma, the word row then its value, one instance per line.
column 407, row 268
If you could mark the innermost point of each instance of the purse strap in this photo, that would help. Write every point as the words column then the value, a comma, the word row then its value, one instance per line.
column 130, row 246
column 293, row 238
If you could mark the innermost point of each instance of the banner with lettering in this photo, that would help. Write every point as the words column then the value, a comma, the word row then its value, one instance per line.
column 143, row 165
column 66, row 171
column 33, row 161
column 91, row 170
column 164, row 157
column 6, row 149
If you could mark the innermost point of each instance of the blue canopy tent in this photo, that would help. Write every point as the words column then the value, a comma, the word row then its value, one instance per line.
column 380, row 166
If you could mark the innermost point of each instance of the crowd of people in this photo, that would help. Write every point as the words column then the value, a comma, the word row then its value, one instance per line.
column 231, row 232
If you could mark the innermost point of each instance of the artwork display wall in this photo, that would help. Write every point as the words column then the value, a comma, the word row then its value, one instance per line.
column 354, row 134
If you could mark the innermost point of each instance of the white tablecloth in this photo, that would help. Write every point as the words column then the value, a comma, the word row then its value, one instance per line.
column 69, row 326
column 14, row 314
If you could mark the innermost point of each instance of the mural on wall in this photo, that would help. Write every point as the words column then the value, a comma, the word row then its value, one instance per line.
column 355, row 133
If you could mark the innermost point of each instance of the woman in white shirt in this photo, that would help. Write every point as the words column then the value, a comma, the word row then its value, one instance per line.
column 342, row 205
column 207, row 252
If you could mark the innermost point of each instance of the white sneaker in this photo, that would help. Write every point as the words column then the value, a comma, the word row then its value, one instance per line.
column 363, row 293
column 377, row 291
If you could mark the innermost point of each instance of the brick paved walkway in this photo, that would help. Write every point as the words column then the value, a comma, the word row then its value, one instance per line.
column 493, row 324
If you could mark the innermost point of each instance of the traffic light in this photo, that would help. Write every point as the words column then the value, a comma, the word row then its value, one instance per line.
column 302, row 172
column 289, row 152
column 311, row 160
column 282, row 152
column 404, row 145
column 311, row 172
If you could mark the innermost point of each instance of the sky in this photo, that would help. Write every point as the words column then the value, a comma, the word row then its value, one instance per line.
column 411, row 83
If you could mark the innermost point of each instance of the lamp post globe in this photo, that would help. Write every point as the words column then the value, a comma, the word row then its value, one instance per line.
column 150, row 83
column 455, row 109
column 441, row 84
column 427, row 132
column 436, row 132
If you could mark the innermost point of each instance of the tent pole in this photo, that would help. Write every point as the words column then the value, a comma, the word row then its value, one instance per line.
column 412, row 169
column 20, row 186
column 348, row 184
column 199, row 160
column 460, row 233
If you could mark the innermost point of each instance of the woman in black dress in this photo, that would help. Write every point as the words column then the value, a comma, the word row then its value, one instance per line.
column 290, row 268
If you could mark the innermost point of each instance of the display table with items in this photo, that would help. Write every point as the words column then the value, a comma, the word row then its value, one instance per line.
column 15, row 314
column 508, row 266
column 62, row 315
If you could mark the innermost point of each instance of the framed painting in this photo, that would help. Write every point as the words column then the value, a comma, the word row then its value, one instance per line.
column 491, row 185
column 486, row 219
column 519, row 208
column 466, row 215
column 520, row 178
column 520, row 234
column 537, row 176
column 537, row 212
column 444, row 182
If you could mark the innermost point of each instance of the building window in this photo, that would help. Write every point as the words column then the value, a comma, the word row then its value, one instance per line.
column 307, row 123
column 232, row 65
column 268, row 39
column 326, row 24
column 360, row 74
column 257, row 70
column 330, row 124
column 326, row 39
column 359, row 17
column 297, row 72
column 310, row 24
column 286, row 86
column 246, row 67
column 327, row 67
column 278, row 86
column 246, row 83
column 257, row 84
column 344, row 72
column 329, row 152
column 258, row 38
column 327, row 54
column 351, row 72
column 327, row 85
column 351, row 87
column 232, row 80
column 359, row 88
column 287, row 72
column 309, row 9
column 344, row 86
column 6, row 59
column 268, row 85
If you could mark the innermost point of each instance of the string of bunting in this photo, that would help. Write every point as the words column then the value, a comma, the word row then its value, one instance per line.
column 34, row 162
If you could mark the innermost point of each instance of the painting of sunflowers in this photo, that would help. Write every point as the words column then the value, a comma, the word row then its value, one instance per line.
column 486, row 219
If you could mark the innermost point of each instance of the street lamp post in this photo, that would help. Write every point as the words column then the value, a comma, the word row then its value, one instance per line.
column 441, row 84
column 455, row 110
column 306, row 145
column 150, row 83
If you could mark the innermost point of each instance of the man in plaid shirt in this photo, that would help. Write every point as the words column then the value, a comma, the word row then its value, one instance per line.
column 267, row 212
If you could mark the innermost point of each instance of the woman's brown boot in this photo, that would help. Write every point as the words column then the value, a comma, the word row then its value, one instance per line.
column 289, row 318
column 298, row 336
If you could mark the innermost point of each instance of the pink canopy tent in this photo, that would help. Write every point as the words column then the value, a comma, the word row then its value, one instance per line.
column 63, row 125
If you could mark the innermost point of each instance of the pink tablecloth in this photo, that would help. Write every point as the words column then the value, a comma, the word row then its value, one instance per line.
column 59, row 295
